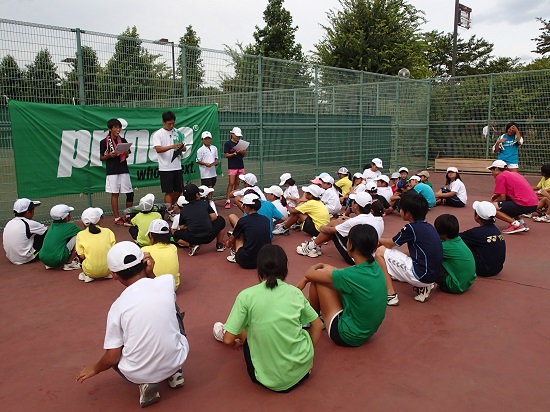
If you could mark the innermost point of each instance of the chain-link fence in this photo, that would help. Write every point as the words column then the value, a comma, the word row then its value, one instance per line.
column 300, row 118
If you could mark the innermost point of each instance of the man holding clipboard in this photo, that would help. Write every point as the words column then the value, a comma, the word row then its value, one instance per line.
column 234, row 150
column 113, row 150
column 168, row 144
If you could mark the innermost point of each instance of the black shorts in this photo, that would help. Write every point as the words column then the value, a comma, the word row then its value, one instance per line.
column 171, row 181
column 514, row 210
column 201, row 238
column 341, row 245
column 309, row 227
column 333, row 333
column 244, row 261
column 209, row 181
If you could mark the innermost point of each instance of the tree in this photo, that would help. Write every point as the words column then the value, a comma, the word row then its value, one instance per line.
column 543, row 41
column 132, row 71
column 92, row 76
column 43, row 80
column 379, row 36
column 194, row 69
column 12, row 79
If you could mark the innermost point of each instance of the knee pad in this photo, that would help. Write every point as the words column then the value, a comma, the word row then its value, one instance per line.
column 130, row 197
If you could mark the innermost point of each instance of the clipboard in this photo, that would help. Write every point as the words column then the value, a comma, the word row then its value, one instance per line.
column 122, row 148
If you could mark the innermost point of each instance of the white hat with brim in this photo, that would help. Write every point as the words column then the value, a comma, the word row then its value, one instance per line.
column 313, row 190
column 159, row 226
column 452, row 169
column 249, row 199
column 395, row 175
column 485, row 210
column 204, row 191
column 60, row 212
column 342, row 171
column 147, row 202
column 403, row 169
column 361, row 198
column 284, row 177
column 237, row 131
column 249, row 178
column 206, row 135
column 383, row 178
column 415, row 177
column 182, row 201
column 124, row 255
column 274, row 190
column 92, row 215
column 377, row 162
column 501, row 164
column 22, row 205
column 327, row 179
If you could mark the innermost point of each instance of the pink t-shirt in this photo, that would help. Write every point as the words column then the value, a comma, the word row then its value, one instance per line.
column 516, row 187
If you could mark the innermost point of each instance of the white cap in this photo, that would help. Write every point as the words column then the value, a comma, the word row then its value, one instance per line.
column 123, row 255
column 206, row 134
column 361, row 198
column 182, row 201
column 342, row 171
column 249, row 199
column 204, row 191
column 24, row 204
column 147, row 202
column 377, row 162
column 485, row 210
column 158, row 226
column 314, row 190
column 383, row 178
column 452, row 169
column 249, row 178
column 284, row 177
column 324, row 174
column 415, row 177
column 395, row 175
column 501, row 164
column 371, row 186
column 60, row 212
column 91, row 215
column 403, row 169
column 237, row 131
column 274, row 190
column 327, row 179
column 357, row 175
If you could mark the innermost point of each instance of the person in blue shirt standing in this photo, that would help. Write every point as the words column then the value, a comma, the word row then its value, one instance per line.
column 507, row 146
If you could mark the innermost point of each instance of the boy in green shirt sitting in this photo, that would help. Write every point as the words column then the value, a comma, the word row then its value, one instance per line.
column 458, row 270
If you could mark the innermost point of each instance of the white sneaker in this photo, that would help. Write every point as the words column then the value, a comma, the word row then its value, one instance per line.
column 393, row 300
column 281, row 231
column 423, row 293
column 74, row 265
column 231, row 258
column 148, row 394
column 84, row 277
column 306, row 250
column 176, row 380
column 218, row 331
column 193, row 249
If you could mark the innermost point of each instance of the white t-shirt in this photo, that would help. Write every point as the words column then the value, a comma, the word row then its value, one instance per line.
column 331, row 199
column 19, row 249
column 280, row 208
column 143, row 321
column 163, row 137
column 458, row 187
column 207, row 155
column 385, row 191
column 255, row 188
column 363, row 219
column 291, row 191
column 369, row 175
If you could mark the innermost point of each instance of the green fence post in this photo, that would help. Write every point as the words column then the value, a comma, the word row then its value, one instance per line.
column 260, row 119
column 395, row 153
column 80, row 68
column 490, row 106
column 184, row 72
column 317, row 119
column 361, row 120
column 428, row 108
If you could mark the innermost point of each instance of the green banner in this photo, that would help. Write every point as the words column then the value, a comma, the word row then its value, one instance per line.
column 57, row 146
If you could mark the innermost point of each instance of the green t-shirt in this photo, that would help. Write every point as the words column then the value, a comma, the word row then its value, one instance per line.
column 54, row 250
column 280, row 349
column 364, row 301
column 142, row 221
column 459, row 263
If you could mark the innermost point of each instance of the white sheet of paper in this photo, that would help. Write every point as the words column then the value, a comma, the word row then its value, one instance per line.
column 241, row 145
column 122, row 147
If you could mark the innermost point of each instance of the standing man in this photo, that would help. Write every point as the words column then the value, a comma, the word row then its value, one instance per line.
column 166, row 142
column 235, row 164
column 507, row 147
column 512, row 197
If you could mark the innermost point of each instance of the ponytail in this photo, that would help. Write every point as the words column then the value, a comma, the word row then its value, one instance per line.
column 272, row 265
column 283, row 201
column 94, row 229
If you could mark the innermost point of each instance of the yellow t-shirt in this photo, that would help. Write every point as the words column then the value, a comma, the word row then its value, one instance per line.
column 142, row 221
column 94, row 248
column 166, row 260
column 317, row 211
column 544, row 184
column 344, row 184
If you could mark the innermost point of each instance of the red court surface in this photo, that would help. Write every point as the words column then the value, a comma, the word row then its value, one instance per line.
column 485, row 350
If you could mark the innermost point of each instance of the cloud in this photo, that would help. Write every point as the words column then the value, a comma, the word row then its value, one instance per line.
column 512, row 12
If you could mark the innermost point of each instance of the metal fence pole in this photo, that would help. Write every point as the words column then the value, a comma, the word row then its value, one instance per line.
column 489, row 108
column 317, row 119
column 428, row 108
column 361, row 120
column 184, row 72
column 80, row 63
column 260, row 120
column 396, row 142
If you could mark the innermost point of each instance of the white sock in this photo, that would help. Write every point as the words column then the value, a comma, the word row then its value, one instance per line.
column 516, row 223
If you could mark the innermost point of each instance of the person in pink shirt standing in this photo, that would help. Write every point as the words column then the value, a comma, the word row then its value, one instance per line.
column 512, row 196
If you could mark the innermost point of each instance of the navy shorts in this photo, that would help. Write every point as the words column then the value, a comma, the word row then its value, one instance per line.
column 514, row 210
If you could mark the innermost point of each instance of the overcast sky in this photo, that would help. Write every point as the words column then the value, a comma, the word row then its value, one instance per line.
column 508, row 24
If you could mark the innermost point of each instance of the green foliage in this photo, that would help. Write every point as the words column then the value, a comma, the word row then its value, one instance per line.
column 543, row 41
column 92, row 77
column 43, row 80
column 12, row 79
column 379, row 36
column 542, row 63
column 190, row 43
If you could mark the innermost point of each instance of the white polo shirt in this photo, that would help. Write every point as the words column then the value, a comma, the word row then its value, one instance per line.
column 19, row 248
column 331, row 199
column 363, row 219
column 163, row 137
column 207, row 155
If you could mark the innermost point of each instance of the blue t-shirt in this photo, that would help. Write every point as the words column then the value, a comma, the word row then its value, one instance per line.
column 427, row 192
column 269, row 210
column 510, row 153
column 425, row 249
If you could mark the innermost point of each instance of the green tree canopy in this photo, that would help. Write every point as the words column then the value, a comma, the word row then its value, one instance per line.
column 543, row 41
column 92, row 77
column 190, row 42
column 379, row 36
column 43, row 79
column 12, row 79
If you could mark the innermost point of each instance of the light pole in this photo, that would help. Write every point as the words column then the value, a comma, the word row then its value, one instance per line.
column 171, row 43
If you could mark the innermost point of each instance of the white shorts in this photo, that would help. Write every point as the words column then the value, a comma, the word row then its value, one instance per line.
column 400, row 267
column 513, row 166
column 118, row 183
